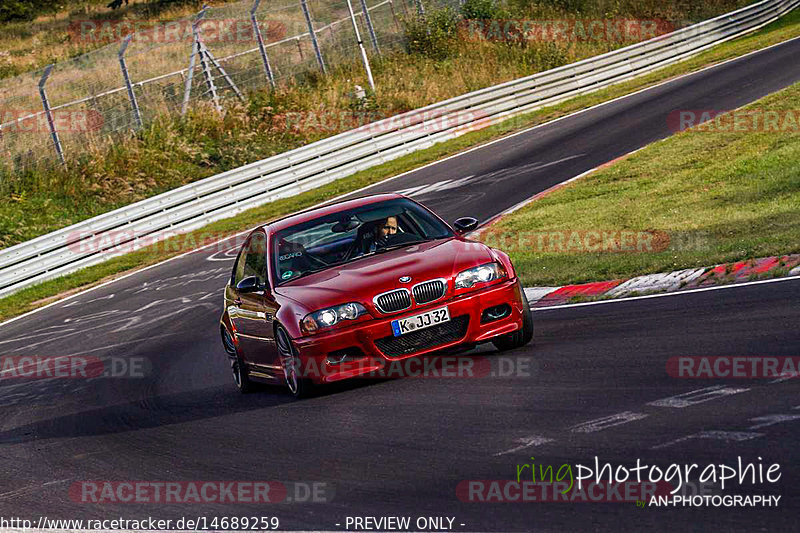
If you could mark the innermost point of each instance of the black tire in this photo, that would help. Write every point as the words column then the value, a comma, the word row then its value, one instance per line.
column 238, row 368
column 296, row 384
column 521, row 337
column 240, row 377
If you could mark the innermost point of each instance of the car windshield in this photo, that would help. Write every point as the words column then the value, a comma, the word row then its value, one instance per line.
column 349, row 235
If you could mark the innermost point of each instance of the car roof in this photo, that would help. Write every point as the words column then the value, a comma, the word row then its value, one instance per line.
column 316, row 212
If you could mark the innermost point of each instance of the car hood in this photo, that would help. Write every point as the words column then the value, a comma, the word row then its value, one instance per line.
column 362, row 279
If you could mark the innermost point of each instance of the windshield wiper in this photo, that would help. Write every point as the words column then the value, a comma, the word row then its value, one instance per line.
column 401, row 245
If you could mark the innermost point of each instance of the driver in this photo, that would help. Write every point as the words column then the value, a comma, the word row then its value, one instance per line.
column 384, row 228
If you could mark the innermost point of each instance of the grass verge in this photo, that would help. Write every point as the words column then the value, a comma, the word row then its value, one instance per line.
column 786, row 28
column 719, row 197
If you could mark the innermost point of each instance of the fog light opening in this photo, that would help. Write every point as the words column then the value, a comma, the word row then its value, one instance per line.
column 344, row 356
column 495, row 313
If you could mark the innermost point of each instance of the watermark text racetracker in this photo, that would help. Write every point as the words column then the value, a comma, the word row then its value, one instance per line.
column 738, row 120
column 564, row 30
column 15, row 120
column 199, row 492
column 596, row 240
column 550, row 241
column 179, row 31
column 16, row 367
column 741, row 367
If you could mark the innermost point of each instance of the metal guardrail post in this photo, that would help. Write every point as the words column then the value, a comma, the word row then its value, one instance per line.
column 371, row 29
column 313, row 34
column 364, row 57
column 137, row 116
column 50, row 122
column 261, row 48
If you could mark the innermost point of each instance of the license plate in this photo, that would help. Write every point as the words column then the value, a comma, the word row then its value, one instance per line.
column 430, row 318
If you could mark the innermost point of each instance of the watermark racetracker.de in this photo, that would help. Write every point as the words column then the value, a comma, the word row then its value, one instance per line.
column 199, row 492
column 597, row 240
column 179, row 31
column 550, row 241
column 566, row 30
column 738, row 120
column 36, row 121
column 736, row 367
column 30, row 367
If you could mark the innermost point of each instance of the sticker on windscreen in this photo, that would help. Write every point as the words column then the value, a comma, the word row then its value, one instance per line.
column 289, row 256
column 287, row 274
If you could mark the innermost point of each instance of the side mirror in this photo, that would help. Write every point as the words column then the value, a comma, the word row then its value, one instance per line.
column 465, row 224
column 249, row 284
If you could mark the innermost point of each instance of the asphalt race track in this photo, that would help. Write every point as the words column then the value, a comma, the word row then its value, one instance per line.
column 593, row 383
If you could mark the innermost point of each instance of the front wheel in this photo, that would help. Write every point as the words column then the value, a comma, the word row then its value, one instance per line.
column 521, row 337
column 298, row 386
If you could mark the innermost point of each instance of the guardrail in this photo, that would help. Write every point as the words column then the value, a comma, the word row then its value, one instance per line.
column 226, row 194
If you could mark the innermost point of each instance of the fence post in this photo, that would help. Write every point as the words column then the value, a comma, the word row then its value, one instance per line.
column 371, row 29
column 394, row 15
column 50, row 123
column 187, row 89
column 364, row 57
column 205, row 60
column 261, row 48
column 311, row 31
column 210, row 57
column 206, row 67
column 131, row 95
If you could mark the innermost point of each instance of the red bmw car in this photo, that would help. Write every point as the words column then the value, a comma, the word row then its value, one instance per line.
column 342, row 290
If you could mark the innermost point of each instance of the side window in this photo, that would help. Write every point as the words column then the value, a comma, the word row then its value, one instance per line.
column 255, row 260
column 238, row 268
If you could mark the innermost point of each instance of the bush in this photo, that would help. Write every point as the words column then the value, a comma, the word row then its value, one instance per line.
column 433, row 35
column 11, row 10
column 482, row 10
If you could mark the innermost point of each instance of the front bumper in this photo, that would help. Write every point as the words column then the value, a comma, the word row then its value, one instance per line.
column 369, row 341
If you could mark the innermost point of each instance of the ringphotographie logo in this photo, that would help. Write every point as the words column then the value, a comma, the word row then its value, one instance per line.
column 643, row 484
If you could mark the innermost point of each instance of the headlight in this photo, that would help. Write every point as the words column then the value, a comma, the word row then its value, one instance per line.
column 480, row 274
column 333, row 315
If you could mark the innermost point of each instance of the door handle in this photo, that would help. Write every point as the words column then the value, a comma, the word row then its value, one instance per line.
column 237, row 301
